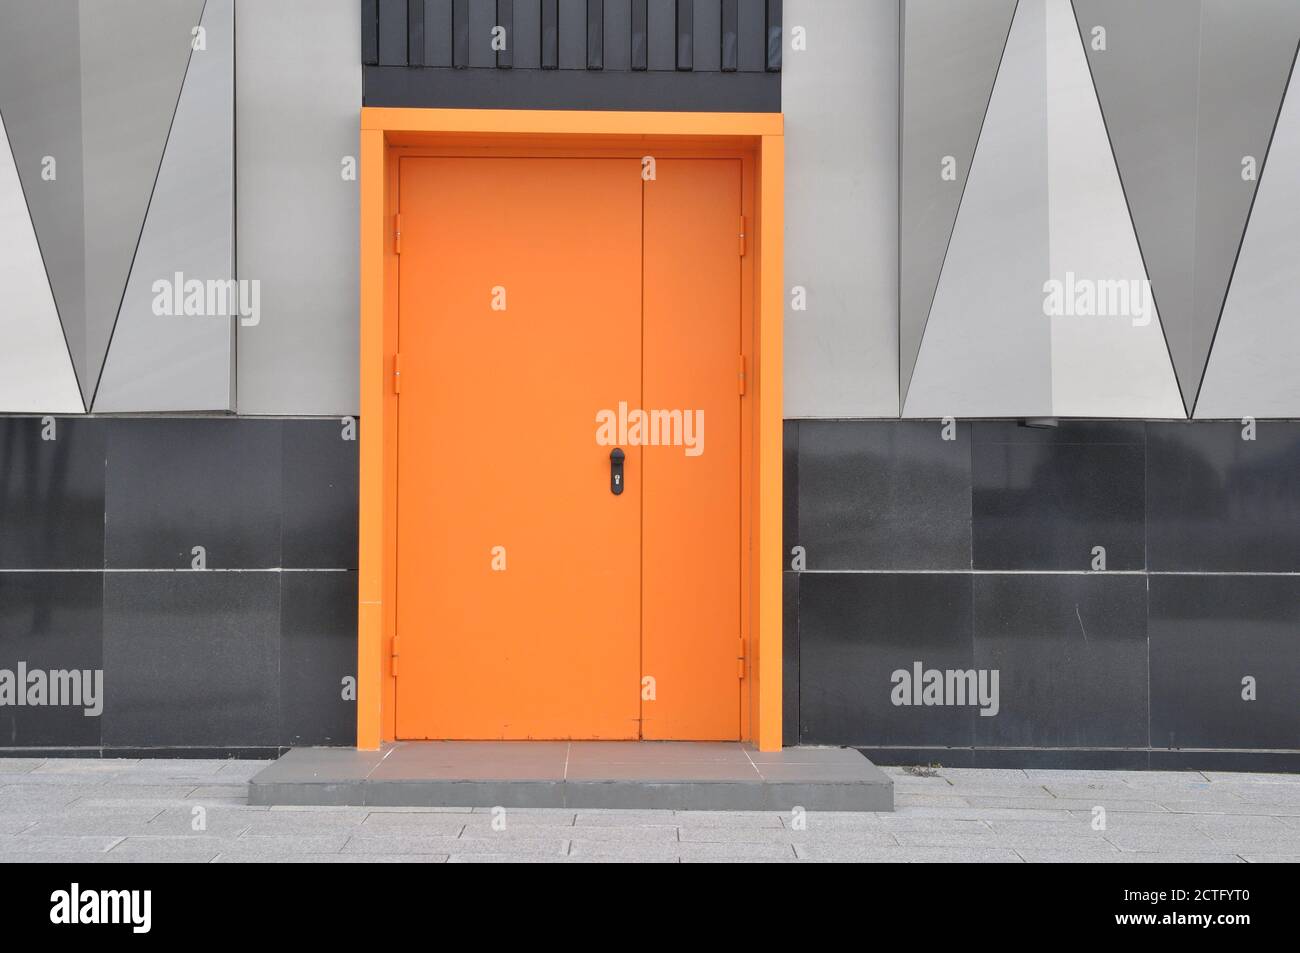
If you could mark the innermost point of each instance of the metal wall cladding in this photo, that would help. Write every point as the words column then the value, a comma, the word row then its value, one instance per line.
column 296, row 171
column 840, row 100
column 716, row 55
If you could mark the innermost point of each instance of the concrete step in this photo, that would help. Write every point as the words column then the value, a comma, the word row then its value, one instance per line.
column 706, row 776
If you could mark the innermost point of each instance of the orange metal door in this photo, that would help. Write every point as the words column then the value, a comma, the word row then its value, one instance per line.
column 537, row 294
column 519, row 571
column 691, row 586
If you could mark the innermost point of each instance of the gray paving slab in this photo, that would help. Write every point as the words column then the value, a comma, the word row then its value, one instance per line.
column 19, row 844
column 910, row 855
column 1221, row 806
column 512, row 859
column 265, row 843
column 138, row 792
column 258, row 857
column 1191, row 841
column 1052, row 856
column 930, row 800
column 19, row 765
column 90, row 823
column 627, row 819
column 1111, row 804
column 180, row 857
column 681, row 851
column 321, row 822
column 516, row 820
column 738, row 819
column 1252, row 858
column 381, row 822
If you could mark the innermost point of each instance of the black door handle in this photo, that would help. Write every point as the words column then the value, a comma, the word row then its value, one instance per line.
column 616, row 457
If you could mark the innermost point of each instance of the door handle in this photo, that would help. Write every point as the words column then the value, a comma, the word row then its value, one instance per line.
column 616, row 457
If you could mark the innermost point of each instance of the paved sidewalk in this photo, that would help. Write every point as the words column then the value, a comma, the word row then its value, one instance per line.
column 88, row 810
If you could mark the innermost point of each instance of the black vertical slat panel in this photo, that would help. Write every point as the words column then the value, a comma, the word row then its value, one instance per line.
column 527, row 39
column 506, row 20
column 685, row 34
column 661, row 34
column 550, row 34
column 415, row 32
column 482, row 23
column 640, row 58
column 460, row 33
column 708, row 36
column 392, row 32
column 573, row 34
column 774, row 35
column 595, row 34
column 370, row 32
column 618, row 35
column 437, row 33
column 730, row 35
column 753, row 36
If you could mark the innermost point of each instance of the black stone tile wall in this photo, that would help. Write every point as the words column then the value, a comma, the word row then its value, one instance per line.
column 102, row 523
column 978, row 554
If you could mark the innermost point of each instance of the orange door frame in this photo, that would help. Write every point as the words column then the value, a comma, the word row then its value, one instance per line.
column 384, row 133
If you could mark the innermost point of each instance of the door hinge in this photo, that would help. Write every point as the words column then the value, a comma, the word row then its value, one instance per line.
column 742, row 236
column 742, row 376
column 393, row 655
column 397, row 373
column 397, row 233
column 740, row 661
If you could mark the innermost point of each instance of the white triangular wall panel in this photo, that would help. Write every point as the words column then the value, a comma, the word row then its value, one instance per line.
column 183, row 362
column 986, row 350
column 1254, row 365
column 36, row 374
column 1103, row 364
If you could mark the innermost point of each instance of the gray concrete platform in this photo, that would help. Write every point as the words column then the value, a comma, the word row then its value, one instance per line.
column 586, row 775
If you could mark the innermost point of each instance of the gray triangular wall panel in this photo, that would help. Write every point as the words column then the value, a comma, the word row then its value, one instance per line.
column 986, row 349
column 1253, row 365
column 1146, row 79
column 1247, row 56
column 40, row 99
column 1189, row 88
column 950, row 56
column 133, row 59
column 36, row 373
column 1110, row 359
column 167, row 361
